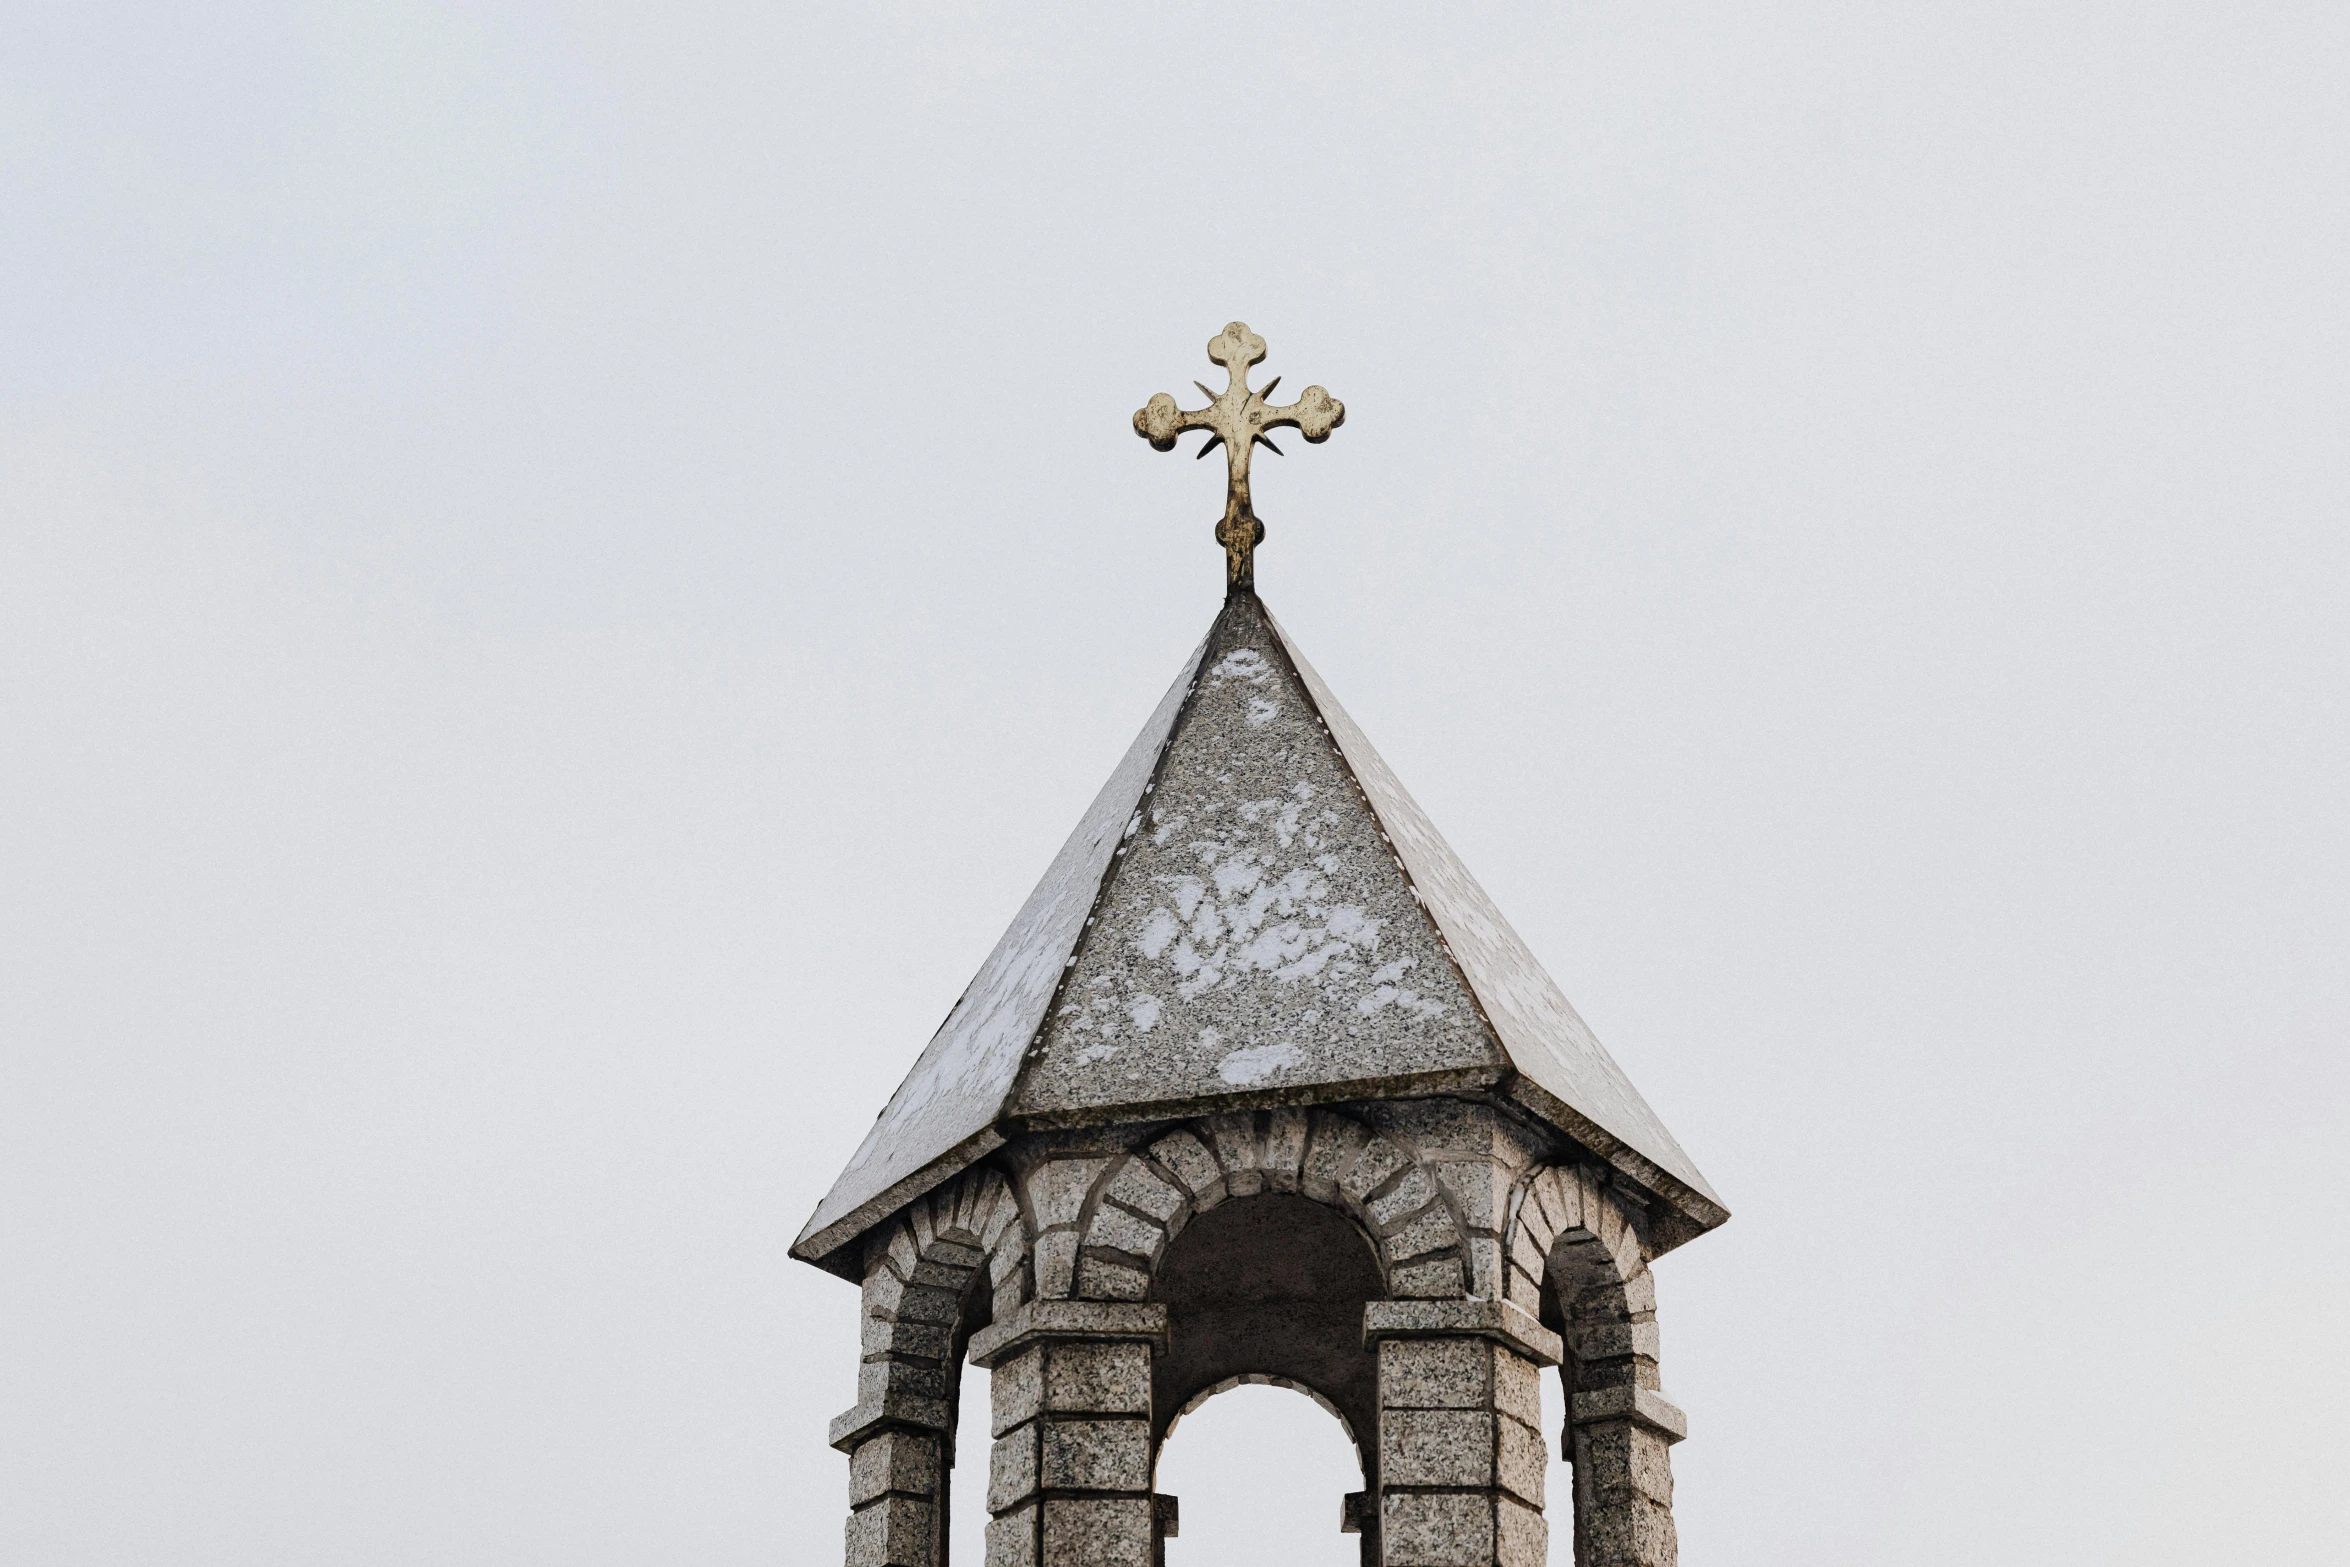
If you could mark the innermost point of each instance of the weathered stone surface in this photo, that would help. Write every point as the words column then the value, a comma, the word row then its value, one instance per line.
column 1440, row 1447
column 1437, row 1529
column 1011, row 1538
column 1497, row 1320
column 900, row 1461
column 1120, row 1230
column 1097, row 1531
column 1524, row 1537
column 1015, row 1466
column 1102, row 1278
column 893, row 1532
column 1256, row 932
column 1097, row 1455
column 1098, row 1378
column 1139, row 1187
column 1629, row 1401
column 1436, row 1373
column 1251, row 948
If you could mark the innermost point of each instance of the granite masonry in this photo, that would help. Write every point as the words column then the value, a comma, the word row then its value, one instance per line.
column 1260, row 1087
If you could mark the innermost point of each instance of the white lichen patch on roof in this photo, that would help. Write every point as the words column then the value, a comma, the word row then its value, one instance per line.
column 1253, row 909
column 1257, row 933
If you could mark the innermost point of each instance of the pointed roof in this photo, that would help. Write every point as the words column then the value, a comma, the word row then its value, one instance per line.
column 1252, row 912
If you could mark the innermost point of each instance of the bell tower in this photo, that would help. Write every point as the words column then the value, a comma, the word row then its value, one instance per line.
column 1260, row 1087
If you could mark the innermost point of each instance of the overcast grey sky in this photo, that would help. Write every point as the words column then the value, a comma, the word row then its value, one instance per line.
column 564, row 569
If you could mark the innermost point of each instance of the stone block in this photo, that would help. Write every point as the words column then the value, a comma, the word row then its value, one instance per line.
column 1097, row 1531
column 1138, row 1186
column 1056, row 1265
column 1632, row 1536
column 1015, row 1467
column 1560, row 1199
column 1519, row 1459
column 1120, row 1230
column 1529, row 1253
column 1330, row 1148
column 1431, row 1231
column 1011, row 1539
column 1437, row 1529
column 1433, row 1278
column 929, row 1340
column 855, row 1424
column 1092, row 1378
column 1524, row 1293
column 1496, row 1320
column 877, row 1380
column 1104, row 1278
column 1285, row 1149
column 1043, row 1321
column 1488, row 1274
column 1057, row 1189
column 1435, row 1373
column 1642, row 1406
column 1480, row 1192
column 1614, row 1340
column 901, row 1461
column 1408, row 1195
column 893, row 1532
column 1188, row 1160
column 1096, row 1455
column 1517, row 1387
column 1373, row 1168
column 1235, row 1140
column 1622, row 1458
column 1437, row 1447
column 1523, row 1535
column 1015, row 1391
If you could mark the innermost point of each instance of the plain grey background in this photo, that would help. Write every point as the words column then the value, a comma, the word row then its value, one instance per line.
column 565, row 569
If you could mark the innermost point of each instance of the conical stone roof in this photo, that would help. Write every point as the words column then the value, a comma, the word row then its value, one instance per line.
column 1252, row 912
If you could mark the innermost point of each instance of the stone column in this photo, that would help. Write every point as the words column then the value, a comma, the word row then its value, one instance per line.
column 896, row 1439
column 1069, row 1477
column 1620, row 1431
column 1460, row 1432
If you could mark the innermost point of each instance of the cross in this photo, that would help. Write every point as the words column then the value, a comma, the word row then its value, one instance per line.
column 1237, row 421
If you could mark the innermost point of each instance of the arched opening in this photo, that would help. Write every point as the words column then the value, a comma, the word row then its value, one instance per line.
column 1260, row 1470
column 1268, row 1289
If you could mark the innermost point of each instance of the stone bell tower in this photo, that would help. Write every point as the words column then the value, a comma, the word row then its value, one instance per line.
column 1260, row 1087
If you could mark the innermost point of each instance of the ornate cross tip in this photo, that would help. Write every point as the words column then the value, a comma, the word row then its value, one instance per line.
column 1237, row 419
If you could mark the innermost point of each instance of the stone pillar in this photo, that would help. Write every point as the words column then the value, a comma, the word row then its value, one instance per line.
column 1069, row 1477
column 1620, row 1431
column 1461, row 1454
column 896, row 1439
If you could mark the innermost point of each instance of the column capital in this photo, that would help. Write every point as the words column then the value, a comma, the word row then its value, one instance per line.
column 1642, row 1406
column 892, row 1407
column 1508, row 1325
column 1094, row 1320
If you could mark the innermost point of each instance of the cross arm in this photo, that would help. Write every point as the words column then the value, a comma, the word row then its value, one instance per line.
column 1314, row 415
column 1159, row 421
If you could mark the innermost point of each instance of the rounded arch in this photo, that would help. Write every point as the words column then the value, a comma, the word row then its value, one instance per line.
column 1265, row 1379
column 1574, row 1247
column 1143, row 1199
column 925, row 1272
column 925, row 1268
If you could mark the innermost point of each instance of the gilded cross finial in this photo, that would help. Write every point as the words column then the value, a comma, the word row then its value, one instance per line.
column 1237, row 420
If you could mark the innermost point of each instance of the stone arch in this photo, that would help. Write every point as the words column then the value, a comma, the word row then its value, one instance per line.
column 1264, row 1379
column 926, row 1288
column 1577, row 1257
column 1141, row 1200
